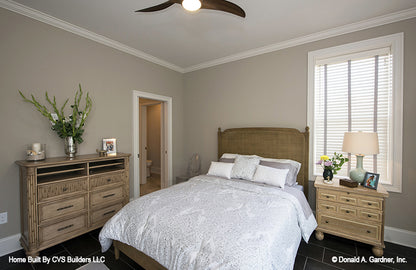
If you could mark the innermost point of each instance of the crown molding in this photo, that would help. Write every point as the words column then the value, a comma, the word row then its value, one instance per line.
column 45, row 18
column 349, row 28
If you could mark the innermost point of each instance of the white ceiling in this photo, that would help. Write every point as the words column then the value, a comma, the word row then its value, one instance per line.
column 186, row 40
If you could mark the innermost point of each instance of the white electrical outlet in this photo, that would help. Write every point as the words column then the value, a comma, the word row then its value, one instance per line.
column 3, row 218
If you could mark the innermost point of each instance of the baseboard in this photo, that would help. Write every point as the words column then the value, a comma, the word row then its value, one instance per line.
column 400, row 237
column 10, row 244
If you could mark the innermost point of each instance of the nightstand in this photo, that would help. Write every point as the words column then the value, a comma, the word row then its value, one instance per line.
column 353, row 213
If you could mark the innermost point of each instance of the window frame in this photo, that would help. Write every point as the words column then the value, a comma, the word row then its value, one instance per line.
column 395, row 42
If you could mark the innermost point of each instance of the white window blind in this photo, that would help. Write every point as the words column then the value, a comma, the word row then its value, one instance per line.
column 354, row 94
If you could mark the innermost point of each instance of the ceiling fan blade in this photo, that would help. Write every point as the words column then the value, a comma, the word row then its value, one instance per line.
column 158, row 7
column 223, row 6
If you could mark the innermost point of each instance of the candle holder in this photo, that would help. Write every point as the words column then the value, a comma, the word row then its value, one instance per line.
column 36, row 152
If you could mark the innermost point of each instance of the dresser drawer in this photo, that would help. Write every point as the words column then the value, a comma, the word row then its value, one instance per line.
column 371, row 203
column 327, row 207
column 371, row 232
column 61, row 208
column 104, row 180
column 327, row 195
column 105, row 213
column 106, row 196
column 59, row 230
column 369, row 215
column 49, row 191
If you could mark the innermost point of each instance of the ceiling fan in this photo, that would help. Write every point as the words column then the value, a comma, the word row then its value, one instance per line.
column 194, row 5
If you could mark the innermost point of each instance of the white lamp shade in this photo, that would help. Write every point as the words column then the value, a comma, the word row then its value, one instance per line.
column 360, row 143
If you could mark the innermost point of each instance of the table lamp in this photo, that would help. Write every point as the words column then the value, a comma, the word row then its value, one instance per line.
column 360, row 144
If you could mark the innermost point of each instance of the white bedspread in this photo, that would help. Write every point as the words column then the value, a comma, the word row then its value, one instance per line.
column 213, row 223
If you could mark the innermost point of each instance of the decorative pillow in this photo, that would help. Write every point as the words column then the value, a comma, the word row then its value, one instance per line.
column 228, row 155
column 292, row 170
column 245, row 167
column 227, row 160
column 270, row 176
column 220, row 169
column 290, row 161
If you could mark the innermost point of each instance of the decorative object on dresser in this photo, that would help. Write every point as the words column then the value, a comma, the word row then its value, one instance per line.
column 361, row 144
column 36, row 152
column 356, row 214
column 62, row 198
column 69, row 128
column 110, row 146
column 331, row 166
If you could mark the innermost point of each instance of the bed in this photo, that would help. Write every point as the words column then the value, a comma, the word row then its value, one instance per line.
column 210, row 222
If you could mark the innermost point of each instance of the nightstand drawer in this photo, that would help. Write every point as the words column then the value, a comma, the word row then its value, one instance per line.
column 347, row 198
column 327, row 207
column 347, row 211
column 372, row 203
column 369, row 215
column 367, row 231
column 327, row 195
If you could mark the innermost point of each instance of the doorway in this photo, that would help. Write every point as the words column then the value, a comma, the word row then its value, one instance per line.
column 152, row 140
column 150, row 120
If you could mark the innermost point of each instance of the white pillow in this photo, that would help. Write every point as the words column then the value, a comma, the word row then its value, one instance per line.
column 270, row 176
column 220, row 169
column 245, row 167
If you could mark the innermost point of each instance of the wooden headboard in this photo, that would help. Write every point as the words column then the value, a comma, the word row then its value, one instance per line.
column 281, row 143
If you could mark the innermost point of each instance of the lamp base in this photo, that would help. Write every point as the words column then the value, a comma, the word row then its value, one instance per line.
column 357, row 175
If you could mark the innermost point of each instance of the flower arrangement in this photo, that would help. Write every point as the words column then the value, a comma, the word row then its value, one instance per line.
column 71, row 126
column 333, row 164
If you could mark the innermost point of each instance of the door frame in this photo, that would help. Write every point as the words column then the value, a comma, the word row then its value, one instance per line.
column 166, row 159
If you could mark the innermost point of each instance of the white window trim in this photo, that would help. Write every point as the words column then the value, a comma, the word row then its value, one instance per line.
column 395, row 42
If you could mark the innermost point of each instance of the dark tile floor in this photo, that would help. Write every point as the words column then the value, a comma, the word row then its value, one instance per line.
column 315, row 255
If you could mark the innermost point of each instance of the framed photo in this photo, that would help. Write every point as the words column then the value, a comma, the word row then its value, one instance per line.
column 371, row 180
column 110, row 146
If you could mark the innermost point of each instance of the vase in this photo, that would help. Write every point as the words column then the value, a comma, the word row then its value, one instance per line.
column 328, row 175
column 70, row 146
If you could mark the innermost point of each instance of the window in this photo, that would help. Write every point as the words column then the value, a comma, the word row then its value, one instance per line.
column 358, row 87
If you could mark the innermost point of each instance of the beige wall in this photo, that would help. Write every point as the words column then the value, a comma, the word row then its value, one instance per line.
column 153, row 136
column 34, row 58
column 271, row 90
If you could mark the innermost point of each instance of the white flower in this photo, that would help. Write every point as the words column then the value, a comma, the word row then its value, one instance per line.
column 55, row 116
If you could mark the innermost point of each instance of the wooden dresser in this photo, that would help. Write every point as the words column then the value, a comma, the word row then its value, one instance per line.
column 353, row 213
column 61, row 198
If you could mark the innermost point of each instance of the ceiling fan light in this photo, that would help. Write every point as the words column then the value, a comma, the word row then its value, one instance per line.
column 191, row 5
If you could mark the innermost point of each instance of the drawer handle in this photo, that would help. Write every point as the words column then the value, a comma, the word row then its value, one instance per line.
column 109, row 195
column 327, row 197
column 327, row 207
column 368, row 231
column 109, row 180
column 65, row 189
column 65, row 207
column 348, row 193
column 347, row 212
column 326, row 221
column 66, row 227
column 347, row 200
column 370, row 203
column 109, row 212
column 369, row 215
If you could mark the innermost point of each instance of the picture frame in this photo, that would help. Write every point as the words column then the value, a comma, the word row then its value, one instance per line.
column 371, row 180
column 110, row 145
